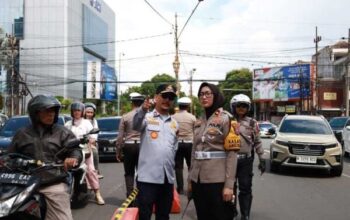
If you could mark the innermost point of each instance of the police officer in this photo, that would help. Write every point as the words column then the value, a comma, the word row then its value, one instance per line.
column 43, row 140
column 250, row 140
column 186, row 123
column 156, row 173
column 212, row 172
column 128, row 142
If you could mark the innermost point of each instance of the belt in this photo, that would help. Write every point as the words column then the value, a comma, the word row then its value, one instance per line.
column 243, row 156
column 204, row 155
column 132, row 142
column 185, row 141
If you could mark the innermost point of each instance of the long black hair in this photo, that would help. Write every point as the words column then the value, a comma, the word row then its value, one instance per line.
column 218, row 100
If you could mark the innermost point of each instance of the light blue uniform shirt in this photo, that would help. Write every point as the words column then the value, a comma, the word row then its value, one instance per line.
column 157, row 148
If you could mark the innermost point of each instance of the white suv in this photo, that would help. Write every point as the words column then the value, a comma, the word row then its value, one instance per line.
column 306, row 141
column 346, row 138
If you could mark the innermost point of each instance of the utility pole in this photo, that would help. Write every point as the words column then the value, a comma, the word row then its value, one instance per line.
column 176, row 63
column 347, row 79
column 191, row 95
column 316, row 40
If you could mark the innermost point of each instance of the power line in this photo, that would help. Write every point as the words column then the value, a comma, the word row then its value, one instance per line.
column 160, row 15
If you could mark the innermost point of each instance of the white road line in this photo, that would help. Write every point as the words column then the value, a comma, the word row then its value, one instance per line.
column 346, row 175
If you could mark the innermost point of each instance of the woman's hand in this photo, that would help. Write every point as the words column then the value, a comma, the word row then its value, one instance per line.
column 227, row 194
column 70, row 163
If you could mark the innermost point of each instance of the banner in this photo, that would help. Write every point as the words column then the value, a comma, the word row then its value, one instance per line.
column 282, row 83
column 108, row 83
column 93, row 79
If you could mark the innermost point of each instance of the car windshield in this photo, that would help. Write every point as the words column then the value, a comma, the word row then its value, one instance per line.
column 108, row 124
column 12, row 125
column 337, row 122
column 305, row 126
column 265, row 126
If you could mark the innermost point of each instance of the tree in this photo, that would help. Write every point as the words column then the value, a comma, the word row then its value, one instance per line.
column 236, row 82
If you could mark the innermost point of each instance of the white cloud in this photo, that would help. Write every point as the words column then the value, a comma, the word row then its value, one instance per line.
column 253, row 30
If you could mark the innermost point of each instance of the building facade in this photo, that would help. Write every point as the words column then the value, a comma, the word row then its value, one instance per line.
column 60, row 38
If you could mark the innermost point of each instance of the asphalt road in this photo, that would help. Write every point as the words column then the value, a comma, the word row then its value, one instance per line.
column 293, row 194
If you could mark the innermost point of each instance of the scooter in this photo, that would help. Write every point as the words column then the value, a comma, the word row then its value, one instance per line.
column 79, row 190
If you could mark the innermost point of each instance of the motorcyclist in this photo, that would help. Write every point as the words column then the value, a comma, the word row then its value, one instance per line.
column 42, row 140
column 250, row 140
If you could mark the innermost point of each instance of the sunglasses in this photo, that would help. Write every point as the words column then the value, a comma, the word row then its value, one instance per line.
column 242, row 105
column 169, row 96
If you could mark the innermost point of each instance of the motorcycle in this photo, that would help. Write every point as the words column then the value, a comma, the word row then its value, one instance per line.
column 79, row 190
column 19, row 196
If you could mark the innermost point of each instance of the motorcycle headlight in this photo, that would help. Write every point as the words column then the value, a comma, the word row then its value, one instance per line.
column 23, row 195
column 6, row 206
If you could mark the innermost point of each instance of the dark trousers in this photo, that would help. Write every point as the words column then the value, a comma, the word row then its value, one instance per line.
column 244, row 179
column 159, row 194
column 131, row 156
column 209, row 202
column 183, row 152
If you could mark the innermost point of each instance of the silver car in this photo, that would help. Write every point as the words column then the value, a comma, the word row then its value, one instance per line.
column 306, row 141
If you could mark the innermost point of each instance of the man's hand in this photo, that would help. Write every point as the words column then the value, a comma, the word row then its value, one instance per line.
column 118, row 155
column 189, row 191
column 70, row 163
column 227, row 194
column 262, row 166
column 147, row 104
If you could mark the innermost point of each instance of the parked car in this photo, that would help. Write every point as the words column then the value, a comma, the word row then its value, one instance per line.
column 13, row 124
column 3, row 119
column 264, row 127
column 346, row 138
column 306, row 141
column 109, row 127
column 338, row 124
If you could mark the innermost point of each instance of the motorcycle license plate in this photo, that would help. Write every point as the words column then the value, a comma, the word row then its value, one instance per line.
column 306, row 159
column 14, row 178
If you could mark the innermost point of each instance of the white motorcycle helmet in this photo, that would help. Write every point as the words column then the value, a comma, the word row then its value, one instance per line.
column 240, row 98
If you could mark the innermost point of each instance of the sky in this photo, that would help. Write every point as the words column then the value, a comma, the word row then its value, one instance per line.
column 221, row 35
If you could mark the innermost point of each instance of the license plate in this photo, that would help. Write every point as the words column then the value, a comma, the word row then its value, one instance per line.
column 14, row 178
column 110, row 149
column 306, row 159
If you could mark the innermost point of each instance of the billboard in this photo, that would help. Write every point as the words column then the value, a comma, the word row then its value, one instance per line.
column 108, row 83
column 282, row 83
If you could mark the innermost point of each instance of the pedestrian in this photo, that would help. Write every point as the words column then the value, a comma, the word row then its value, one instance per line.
column 156, row 173
column 90, row 113
column 186, row 123
column 80, row 127
column 128, row 142
column 213, row 168
column 43, row 140
column 250, row 141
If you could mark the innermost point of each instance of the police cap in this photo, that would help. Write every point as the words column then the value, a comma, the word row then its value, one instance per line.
column 135, row 96
column 184, row 101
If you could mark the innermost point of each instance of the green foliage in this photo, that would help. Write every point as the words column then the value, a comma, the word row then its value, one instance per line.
column 236, row 82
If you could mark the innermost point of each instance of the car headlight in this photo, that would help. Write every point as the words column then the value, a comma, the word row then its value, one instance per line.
column 331, row 145
column 283, row 143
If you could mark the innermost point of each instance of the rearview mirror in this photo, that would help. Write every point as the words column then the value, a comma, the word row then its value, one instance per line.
column 272, row 131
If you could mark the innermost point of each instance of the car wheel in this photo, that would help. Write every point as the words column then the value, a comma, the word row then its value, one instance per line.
column 274, row 167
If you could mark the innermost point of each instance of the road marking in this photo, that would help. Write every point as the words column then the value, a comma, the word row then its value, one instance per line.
column 346, row 175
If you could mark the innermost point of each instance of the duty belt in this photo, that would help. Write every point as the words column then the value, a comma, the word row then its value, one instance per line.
column 132, row 142
column 205, row 155
column 185, row 141
column 243, row 156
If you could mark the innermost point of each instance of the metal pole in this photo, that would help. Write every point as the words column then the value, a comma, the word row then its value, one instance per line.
column 118, row 88
column 176, row 63
column 191, row 82
column 347, row 80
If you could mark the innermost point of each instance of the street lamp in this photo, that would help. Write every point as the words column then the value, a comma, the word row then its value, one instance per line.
column 118, row 88
column 191, row 80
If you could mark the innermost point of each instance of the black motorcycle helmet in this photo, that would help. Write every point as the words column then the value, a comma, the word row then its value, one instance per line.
column 42, row 102
column 77, row 106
